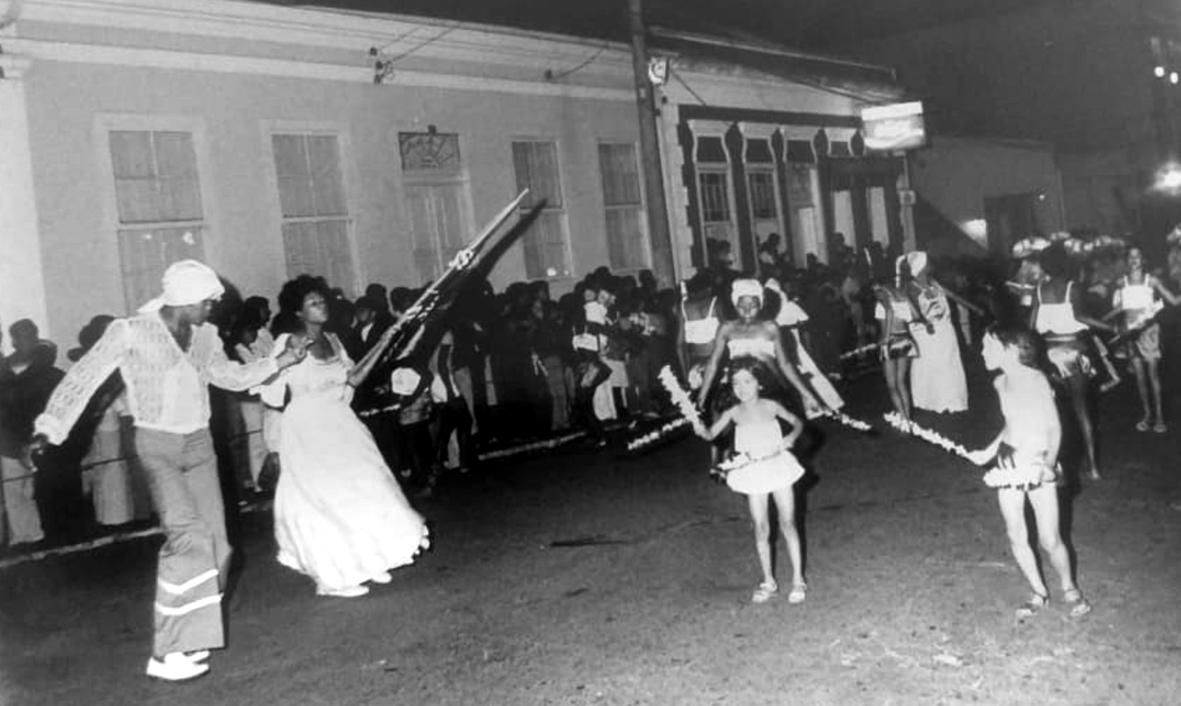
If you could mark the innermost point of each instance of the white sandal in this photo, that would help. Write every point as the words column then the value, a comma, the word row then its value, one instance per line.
column 765, row 592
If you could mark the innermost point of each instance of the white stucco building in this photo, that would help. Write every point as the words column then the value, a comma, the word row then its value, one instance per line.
column 270, row 140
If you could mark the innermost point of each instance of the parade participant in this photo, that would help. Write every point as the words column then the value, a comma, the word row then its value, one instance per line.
column 1057, row 316
column 340, row 516
column 768, row 470
column 698, row 328
column 897, row 311
column 1028, row 446
column 751, row 336
column 1135, row 301
column 791, row 317
column 937, row 381
column 167, row 355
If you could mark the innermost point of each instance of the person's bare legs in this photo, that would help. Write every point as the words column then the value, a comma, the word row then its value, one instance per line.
column 785, row 501
column 1012, row 504
column 1044, row 500
column 1077, row 385
column 1153, row 367
column 897, row 377
column 1142, row 388
column 762, row 525
column 904, row 385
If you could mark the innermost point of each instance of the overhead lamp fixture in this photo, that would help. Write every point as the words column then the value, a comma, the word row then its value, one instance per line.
column 1168, row 178
column 1158, row 71
column 1174, row 78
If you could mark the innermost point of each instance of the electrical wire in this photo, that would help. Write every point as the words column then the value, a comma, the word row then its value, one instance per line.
column 582, row 65
column 389, row 61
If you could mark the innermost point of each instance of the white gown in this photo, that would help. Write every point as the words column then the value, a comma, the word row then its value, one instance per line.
column 340, row 516
column 937, row 381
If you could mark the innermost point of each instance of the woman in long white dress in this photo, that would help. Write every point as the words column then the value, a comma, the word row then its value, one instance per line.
column 937, row 381
column 340, row 516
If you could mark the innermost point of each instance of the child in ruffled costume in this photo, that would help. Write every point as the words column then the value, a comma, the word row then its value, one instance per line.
column 763, row 468
column 1026, row 454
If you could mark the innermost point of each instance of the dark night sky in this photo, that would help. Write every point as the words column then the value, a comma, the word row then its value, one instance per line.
column 801, row 23
column 1063, row 71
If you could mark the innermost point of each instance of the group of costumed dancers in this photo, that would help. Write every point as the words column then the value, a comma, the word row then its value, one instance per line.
column 341, row 518
column 1046, row 348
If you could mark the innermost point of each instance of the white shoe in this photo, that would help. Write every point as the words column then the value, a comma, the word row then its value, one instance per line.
column 175, row 667
column 346, row 592
column 197, row 656
column 383, row 577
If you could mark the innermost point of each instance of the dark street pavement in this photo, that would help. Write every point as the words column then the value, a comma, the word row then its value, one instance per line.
column 587, row 578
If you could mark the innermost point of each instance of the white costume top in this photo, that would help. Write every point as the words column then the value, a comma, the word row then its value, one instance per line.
column 701, row 331
column 167, row 388
column 1057, row 318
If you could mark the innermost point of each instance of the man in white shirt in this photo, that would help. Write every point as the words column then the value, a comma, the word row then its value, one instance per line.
column 168, row 355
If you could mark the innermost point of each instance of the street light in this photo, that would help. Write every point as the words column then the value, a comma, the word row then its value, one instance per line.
column 1159, row 71
column 1168, row 178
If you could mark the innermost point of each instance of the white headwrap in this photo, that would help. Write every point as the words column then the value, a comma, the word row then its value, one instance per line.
column 917, row 261
column 186, row 282
column 746, row 288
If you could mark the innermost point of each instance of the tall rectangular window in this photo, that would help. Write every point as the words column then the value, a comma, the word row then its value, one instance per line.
column 546, row 250
column 158, row 205
column 715, row 196
column 313, row 207
column 627, row 241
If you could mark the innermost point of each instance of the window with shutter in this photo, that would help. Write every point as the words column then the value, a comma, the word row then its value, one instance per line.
column 627, row 237
column 547, row 253
column 313, row 207
column 157, row 204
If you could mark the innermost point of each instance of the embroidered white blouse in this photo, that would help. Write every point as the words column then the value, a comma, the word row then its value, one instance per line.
column 167, row 388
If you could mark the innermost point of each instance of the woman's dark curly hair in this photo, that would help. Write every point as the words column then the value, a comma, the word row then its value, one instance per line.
column 294, row 292
column 1055, row 260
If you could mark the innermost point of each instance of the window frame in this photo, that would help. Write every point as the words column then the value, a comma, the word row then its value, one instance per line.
column 270, row 128
column 106, row 123
column 562, row 213
column 641, row 207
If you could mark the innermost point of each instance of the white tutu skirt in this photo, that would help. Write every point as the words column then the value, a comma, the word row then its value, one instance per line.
column 765, row 475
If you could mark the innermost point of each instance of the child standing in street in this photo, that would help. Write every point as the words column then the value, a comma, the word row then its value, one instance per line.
column 763, row 468
column 1026, row 454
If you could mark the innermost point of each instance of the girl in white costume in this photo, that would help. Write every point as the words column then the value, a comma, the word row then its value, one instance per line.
column 1136, row 301
column 1026, row 451
column 770, row 470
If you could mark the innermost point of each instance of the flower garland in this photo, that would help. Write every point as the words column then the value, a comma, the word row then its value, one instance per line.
column 544, row 444
column 680, row 396
column 851, row 422
column 684, row 404
column 860, row 350
column 1024, row 476
column 906, row 426
column 646, row 440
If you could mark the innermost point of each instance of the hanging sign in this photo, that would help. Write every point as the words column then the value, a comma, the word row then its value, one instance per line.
column 658, row 70
column 893, row 127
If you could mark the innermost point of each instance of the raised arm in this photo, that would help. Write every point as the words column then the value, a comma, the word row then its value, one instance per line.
column 232, row 375
column 787, row 368
column 361, row 370
column 1165, row 293
column 70, row 396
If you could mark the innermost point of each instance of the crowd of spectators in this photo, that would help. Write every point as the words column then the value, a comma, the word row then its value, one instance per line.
column 511, row 367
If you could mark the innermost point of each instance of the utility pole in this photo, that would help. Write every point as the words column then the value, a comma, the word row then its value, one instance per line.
column 658, row 233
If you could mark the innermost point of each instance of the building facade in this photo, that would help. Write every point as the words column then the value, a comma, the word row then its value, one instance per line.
column 270, row 141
